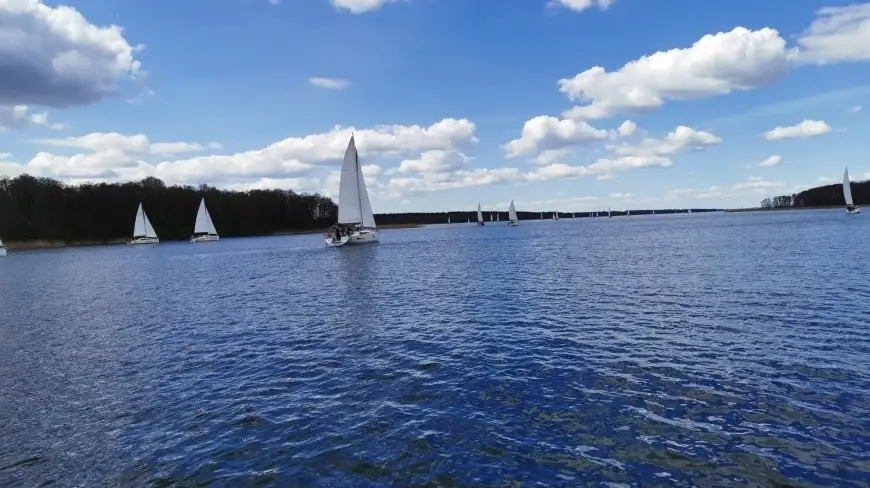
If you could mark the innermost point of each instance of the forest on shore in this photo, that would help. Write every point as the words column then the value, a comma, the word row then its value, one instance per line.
column 43, row 210
column 821, row 196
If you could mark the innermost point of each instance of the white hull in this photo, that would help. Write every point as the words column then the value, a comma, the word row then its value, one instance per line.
column 854, row 211
column 2, row 251
column 513, row 223
column 206, row 238
column 357, row 237
column 144, row 240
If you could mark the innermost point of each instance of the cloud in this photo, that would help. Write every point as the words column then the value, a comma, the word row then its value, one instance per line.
column 545, row 133
column 434, row 161
column 120, row 157
column 771, row 161
column 54, row 57
column 620, row 196
column 711, row 192
column 5, row 155
column 854, row 110
column 681, row 139
column 19, row 116
column 838, row 34
column 361, row 6
column 581, row 5
column 757, row 183
column 330, row 83
column 626, row 129
column 717, row 64
column 802, row 130
column 825, row 180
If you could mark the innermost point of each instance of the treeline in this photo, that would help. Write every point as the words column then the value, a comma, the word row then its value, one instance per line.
column 43, row 209
column 426, row 218
column 821, row 196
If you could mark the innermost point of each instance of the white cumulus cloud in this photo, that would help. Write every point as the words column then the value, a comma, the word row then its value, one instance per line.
column 545, row 133
column 802, row 130
column 717, row 64
column 20, row 116
column 771, row 161
column 838, row 34
column 54, row 57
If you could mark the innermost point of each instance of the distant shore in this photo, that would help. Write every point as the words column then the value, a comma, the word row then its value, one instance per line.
column 40, row 244
column 777, row 209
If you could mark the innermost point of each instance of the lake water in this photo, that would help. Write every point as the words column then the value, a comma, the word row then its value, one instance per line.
column 684, row 350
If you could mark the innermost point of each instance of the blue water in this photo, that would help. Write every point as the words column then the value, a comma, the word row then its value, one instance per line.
column 685, row 350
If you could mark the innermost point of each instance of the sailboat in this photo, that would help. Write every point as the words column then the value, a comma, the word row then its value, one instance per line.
column 479, row 215
column 203, row 229
column 490, row 217
column 542, row 215
column 356, row 222
column 448, row 220
column 2, row 249
column 143, row 231
column 628, row 213
column 556, row 215
column 609, row 213
column 847, row 195
column 513, row 221
column 498, row 217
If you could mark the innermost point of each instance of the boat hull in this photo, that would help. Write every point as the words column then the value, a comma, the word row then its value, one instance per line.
column 2, row 251
column 206, row 238
column 355, row 238
column 513, row 223
column 854, row 211
column 143, row 240
column 481, row 224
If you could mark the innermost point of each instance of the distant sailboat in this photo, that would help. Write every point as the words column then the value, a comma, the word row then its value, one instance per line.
column 609, row 213
column 448, row 220
column 847, row 194
column 628, row 213
column 542, row 215
column 653, row 212
column 143, row 231
column 556, row 215
column 2, row 248
column 479, row 216
column 356, row 222
column 490, row 217
column 498, row 217
column 513, row 221
column 203, row 229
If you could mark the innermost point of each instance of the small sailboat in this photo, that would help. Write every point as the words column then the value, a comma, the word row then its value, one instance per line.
column 2, row 249
column 513, row 221
column 628, row 213
column 847, row 195
column 654, row 212
column 556, row 215
column 143, row 231
column 479, row 216
column 609, row 213
column 448, row 220
column 203, row 229
column 542, row 215
column 490, row 217
column 498, row 217
column 356, row 221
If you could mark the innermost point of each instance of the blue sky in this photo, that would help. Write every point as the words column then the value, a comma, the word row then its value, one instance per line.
column 454, row 102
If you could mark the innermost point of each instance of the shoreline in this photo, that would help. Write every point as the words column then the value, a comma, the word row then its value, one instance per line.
column 43, row 244
column 781, row 209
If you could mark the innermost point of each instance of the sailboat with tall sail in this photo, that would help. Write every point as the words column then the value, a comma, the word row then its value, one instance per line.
column 851, row 209
column 513, row 221
column 2, row 249
column 556, row 215
column 356, row 221
column 143, row 231
column 479, row 216
column 203, row 229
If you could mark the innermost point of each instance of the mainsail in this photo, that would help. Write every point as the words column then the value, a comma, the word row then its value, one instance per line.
column 354, row 207
column 479, row 214
column 512, row 212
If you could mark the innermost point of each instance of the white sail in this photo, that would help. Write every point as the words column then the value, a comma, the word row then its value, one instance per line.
column 847, row 188
column 203, row 225
column 142, row 226
column 1, row 242
column 512, row 212
column 479, row 214
column 354, row 206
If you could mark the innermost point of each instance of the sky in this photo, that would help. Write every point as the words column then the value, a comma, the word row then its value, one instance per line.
column 569, row 105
